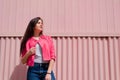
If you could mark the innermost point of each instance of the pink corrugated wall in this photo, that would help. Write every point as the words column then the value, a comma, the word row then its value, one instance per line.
column 61, row 17
column 78, row 58
column 85, row 33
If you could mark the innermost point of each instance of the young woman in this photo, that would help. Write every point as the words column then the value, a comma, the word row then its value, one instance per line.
column 37, row 51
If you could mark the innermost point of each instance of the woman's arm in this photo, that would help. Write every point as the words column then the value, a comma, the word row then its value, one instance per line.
column 52, row 61
column 50, row 68
column 27, row 54
column 52, row 55
column 25, row 57
column 51, row 65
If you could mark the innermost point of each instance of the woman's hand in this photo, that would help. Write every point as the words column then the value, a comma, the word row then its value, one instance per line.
column 32, row 50
column 48, row 77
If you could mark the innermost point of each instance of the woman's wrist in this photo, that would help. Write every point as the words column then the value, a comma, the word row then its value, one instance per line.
column 30, row 52
column 48, row 72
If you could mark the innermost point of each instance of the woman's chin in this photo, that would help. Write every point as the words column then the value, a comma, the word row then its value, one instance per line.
column 40, row 30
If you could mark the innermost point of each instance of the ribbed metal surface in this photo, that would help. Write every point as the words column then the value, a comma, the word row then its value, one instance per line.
column 10, row 68
column 61, row 17
column 78, row 58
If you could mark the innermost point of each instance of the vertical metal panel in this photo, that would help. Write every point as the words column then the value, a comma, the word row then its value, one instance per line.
column 11, row 68
column 78, row 58
column 61, row 17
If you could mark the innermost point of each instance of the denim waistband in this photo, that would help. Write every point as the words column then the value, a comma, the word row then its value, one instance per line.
column 41, row 64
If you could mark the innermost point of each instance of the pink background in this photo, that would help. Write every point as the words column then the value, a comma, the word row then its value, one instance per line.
column 86, row 35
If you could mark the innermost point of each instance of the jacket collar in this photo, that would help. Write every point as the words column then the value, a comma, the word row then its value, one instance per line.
column 41, row 36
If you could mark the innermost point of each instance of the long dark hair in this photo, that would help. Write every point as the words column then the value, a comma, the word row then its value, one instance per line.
column 29, row 32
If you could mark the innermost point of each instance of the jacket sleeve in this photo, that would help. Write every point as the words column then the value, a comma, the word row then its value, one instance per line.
column 52, row 49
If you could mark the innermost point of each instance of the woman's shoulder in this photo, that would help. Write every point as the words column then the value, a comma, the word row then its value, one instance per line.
column 47, row 36
column 29, row 40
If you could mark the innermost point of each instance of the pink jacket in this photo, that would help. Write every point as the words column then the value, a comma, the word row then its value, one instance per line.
column 47, row 46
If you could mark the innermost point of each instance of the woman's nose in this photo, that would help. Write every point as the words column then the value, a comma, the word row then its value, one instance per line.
column 40, row 24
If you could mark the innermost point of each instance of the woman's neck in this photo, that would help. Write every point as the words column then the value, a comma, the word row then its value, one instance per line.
column 37, row 35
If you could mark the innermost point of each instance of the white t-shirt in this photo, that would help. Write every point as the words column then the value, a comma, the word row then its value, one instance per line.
column 38, row 54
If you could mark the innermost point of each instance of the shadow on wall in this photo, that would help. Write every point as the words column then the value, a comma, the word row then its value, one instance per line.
column 19, row 73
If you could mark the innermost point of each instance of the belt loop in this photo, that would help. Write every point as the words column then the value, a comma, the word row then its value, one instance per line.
column 40, row 64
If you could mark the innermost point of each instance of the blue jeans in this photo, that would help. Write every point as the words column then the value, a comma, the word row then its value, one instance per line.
column 38, row 72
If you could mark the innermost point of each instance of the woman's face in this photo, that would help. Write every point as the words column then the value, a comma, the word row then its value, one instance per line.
column 39, row 26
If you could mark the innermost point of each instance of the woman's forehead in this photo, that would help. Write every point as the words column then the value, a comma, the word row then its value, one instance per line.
column 39, row 20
